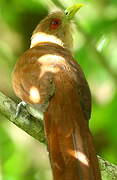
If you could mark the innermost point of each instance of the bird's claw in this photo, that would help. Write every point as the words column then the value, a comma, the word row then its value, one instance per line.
column 19, row 106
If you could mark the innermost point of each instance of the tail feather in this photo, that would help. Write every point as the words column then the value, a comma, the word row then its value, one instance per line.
column 72, row 156
column 72, row 153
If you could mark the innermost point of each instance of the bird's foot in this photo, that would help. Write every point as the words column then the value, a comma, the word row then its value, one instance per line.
column 36, row 111
column 19, row 107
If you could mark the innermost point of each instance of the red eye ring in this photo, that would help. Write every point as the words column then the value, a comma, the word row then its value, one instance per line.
column 55, row 23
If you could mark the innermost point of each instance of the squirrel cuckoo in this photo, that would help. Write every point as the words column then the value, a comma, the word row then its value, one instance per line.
column 48, row 78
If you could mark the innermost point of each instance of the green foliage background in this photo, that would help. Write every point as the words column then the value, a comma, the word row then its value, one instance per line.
column 22, row 157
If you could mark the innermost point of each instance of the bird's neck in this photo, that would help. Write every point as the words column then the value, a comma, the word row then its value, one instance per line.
column 41, row 37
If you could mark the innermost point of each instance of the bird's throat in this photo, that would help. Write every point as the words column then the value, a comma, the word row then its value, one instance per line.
column 41, row 37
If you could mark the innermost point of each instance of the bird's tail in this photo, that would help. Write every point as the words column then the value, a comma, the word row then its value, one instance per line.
column 70, row 144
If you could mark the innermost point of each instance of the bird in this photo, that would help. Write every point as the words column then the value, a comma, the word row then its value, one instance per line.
column 48, row 78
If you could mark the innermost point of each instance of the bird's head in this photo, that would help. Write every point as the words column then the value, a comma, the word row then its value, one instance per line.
column 56, row 28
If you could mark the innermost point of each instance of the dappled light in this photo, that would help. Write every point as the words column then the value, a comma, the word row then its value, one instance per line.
column 80, row 156
column 34, row 94
column 49, row 59
column 95, row 37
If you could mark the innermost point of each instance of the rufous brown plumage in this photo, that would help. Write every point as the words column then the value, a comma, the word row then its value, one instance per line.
column 47, row 77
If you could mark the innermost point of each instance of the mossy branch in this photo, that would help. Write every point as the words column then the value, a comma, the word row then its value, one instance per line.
column 35, row 128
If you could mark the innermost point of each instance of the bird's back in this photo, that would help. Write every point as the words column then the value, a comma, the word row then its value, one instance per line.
column 49, row 73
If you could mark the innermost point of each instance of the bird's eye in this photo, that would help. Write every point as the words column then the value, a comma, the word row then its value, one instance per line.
column 66, row 13
column 55, row 23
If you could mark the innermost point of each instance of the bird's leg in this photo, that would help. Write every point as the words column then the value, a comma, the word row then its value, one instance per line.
column 35, row 110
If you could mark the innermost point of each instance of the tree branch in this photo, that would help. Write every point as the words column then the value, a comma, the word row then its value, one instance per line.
column 25, row 121
column 108, row 170
column 35, row 128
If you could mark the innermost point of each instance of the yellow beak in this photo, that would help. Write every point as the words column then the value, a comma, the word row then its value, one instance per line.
column 71, row 11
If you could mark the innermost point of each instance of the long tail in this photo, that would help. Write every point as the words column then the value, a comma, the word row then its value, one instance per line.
column 70, row 143
column 71, row 148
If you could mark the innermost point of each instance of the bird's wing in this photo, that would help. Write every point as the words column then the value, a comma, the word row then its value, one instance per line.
column 33, row 82
column 83, row 89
